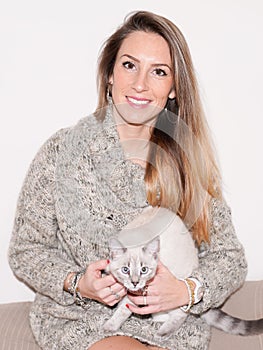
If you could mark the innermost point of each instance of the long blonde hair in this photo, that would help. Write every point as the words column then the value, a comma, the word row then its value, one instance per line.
column 181, row 173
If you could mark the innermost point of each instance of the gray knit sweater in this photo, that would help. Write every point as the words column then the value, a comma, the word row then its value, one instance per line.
column 78, row 192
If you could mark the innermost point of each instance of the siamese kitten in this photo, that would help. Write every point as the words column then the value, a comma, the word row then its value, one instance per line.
column 134, row 256
column 158, row 233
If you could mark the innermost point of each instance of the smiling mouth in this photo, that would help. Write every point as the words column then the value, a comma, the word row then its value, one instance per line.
column 138, row 102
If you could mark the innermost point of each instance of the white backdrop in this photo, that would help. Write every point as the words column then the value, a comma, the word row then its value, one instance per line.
column 48, row 60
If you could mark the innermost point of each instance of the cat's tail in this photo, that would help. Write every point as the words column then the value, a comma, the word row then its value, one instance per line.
column 232, row 325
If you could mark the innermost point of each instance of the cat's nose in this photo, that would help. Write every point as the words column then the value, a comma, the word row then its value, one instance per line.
column 135, row 283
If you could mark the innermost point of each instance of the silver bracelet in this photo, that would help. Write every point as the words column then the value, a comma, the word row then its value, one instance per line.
column 78, row 299
column 78, row 276
column 74, row 290
column 72, row 283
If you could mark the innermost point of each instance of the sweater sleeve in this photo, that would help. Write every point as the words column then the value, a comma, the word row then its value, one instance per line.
column 222, row 264
column 35, row 253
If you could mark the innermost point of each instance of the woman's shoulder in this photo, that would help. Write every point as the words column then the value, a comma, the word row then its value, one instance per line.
column 220, row 219
column 219, row 209
column 85, row 126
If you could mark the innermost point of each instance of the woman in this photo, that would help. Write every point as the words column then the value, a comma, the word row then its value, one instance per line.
column 147, row 143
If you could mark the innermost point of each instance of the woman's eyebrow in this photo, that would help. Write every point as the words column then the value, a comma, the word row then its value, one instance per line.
column 137, row 60
column 131, row 57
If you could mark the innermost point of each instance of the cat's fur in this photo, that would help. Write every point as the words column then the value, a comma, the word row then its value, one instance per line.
column 160, row 234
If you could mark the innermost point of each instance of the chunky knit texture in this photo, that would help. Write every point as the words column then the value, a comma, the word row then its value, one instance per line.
column 79, row 191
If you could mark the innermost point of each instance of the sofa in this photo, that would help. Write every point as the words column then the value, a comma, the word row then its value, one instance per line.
column 15, row 333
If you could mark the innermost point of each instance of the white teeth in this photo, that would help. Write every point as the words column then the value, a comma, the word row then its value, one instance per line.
column 138, row 102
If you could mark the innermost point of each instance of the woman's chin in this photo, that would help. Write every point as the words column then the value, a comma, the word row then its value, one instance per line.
column 136, row 116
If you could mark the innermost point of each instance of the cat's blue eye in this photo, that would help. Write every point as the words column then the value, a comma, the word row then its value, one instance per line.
column 144, row 270
column 125, row 270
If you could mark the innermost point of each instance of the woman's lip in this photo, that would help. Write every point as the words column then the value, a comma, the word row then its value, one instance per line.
column 138, row 102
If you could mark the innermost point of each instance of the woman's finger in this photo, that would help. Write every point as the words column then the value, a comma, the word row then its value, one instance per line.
column 145, row 310
column 99, row 265
column 114, row 296
column 116, row 287
column 104, row 282
column 144, row 300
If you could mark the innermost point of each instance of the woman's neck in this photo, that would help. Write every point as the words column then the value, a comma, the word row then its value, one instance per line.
column 134, row 132
column 134, row 140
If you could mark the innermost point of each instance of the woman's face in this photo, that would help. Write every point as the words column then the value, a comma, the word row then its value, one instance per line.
column 142, row 78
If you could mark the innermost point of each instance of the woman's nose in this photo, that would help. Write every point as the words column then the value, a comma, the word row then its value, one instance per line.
column 140, row 82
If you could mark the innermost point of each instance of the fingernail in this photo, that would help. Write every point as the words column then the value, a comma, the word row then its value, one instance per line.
column 128, row 306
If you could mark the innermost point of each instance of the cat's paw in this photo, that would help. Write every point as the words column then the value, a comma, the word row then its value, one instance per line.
column 170, row 326
column 110, row 326
column 165, row 331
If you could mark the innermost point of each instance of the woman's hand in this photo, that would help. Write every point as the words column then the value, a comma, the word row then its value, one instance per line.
column 104, row 289
column 165, row 292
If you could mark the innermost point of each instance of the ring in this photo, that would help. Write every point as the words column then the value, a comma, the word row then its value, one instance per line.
column 144, row 300
column 117, row 296
column 145, row 291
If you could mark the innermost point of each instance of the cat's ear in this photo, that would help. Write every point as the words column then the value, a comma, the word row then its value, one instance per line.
column 153, row 247
column 116, row 248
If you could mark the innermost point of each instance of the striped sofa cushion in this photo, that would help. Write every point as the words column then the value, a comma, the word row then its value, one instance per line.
column 15, row 332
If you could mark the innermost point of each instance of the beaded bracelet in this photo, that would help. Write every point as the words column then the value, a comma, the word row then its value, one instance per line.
column 72, row 283
column 76, row 283
column 74, row 290
column 190, row 288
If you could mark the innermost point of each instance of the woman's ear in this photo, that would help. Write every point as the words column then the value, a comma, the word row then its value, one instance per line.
column 172, row 94
column 111, row 80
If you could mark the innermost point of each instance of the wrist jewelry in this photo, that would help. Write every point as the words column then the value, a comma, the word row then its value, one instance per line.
column 76, row 283
column 195, row 291
column 198, row 291
column 190, row 288
column 74, row 290
column 72, row 283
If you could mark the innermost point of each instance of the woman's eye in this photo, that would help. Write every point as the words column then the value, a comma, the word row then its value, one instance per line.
column 144, row 270
column 128, row 65
column 160, row 72
column 125, row 270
